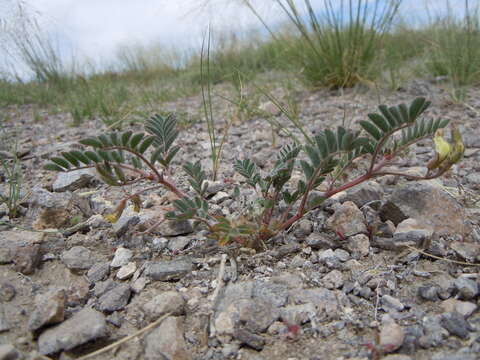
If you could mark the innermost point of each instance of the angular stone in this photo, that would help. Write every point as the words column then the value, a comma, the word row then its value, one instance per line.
column 168, row 270
column 73, row 180
column 429, row 201
column 122, row 257
column 389, row 302
column 358, row 245
column 78, row 258
column 412, row 232
column 115, row 299
column 250, row 339
column 127, row 220
column 127, row 271
column 333, row 280
column 467, row 251
column 347, row 220
column 27, row 259
column 167, row 302
column 167, row 341
column 178, row 243
column 98, row 272
column 318, row 241
column 7, row 292
column 467, row 288
column 84, row 326
column 49, row 309
column 365, row 193
column 455, row 324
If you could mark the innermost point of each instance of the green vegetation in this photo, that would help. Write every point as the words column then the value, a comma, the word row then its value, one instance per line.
column 125, row 158
column 350, row 42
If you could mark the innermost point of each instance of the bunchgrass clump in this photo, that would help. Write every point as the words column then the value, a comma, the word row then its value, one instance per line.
column 326, row 162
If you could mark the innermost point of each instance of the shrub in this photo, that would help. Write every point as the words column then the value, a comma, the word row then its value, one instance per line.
column 121, row 159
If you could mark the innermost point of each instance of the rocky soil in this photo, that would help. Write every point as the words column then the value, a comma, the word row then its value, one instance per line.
column 313, row 294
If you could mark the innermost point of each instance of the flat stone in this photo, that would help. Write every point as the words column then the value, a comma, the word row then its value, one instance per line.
column 127, row 271
column 364, row 193
column 318, row 241
column 250, row 339
column 82, row 327
column 414, row 233
column 78, row 258
column 455, row 324
column 73, row 180
column 467, row 288
column 466, row 250
column 429, row 292
column 168, row 270
column 49, row 309
column 178, row 243
column 167, row 302
column 389, row 302
column 358, row 245
column 115, row 299
column 347, row 220
column 166, row 342
column 430, row 202
column 127, row 220
column 333, row 280
column 122, row 257
column 98, row 272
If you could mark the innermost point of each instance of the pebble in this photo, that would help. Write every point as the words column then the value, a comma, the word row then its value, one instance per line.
column 389, row 302
column 7, row 292
column 98, row 272
column 167, row 341
column 167, row 302
column 455, row 324
column 8, row 352
column 464, row 308
column 115, row 299
column 392, row 336
column 78, row 258
column 127, row 271
column 358, row 245
column 333, row 280
column 122, row 257
column 168, row 270
column 49, row 309
column 467, row 288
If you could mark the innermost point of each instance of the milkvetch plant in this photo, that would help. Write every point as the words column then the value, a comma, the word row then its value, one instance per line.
column 326, row 163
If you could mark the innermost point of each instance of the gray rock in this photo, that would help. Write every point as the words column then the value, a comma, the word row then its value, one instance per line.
column 168, row 270
column 412, row 232
column 174, row 228
column 166, row 342
column 358, row 245
column 272, row 293
column 347, row 220
column 8, row 352
column 333, row 280
column 297, row 314
column 167, row 302
column 365, row 193
column 73, row 180
column 178, row 243
column 303, row 228
column 455, row 356
column 429, row 201
column 250, row 339
column 455, row 324
column 98, row 272
column 467, row 288
column 389, row 302
column 127, row 220
column 342, row 255
column 297, row 261
column 122, row 257
column 429, row 292
column 139, row 284
column 325, row 301
column 115, row 299
column 78, row 258
column 84, row 326
column 49, row 309
column 434, row 333
column 4, row 325
column 102, row 287
column 318, row 241
column 466, row 250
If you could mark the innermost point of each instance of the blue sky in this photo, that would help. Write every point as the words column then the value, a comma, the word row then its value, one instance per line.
column 95, row 29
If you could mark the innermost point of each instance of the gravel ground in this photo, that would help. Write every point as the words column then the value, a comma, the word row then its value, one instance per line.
column 311, row 295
